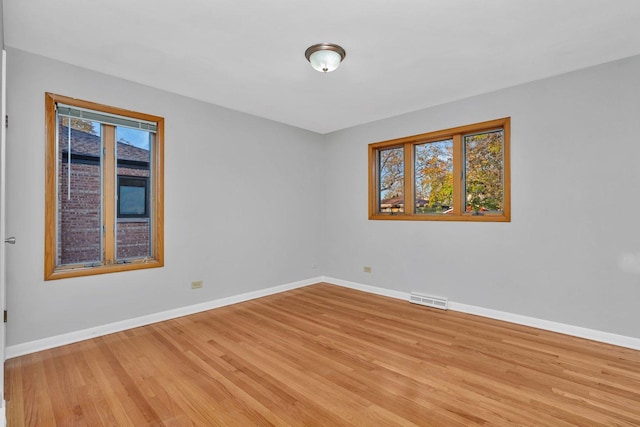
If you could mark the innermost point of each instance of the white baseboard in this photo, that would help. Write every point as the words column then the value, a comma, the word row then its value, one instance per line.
column 72, row 337
column 576, row 331
column 367, row 288
column 69, row 338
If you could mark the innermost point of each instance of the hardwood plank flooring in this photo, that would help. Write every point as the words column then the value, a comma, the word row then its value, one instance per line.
column 327, row 356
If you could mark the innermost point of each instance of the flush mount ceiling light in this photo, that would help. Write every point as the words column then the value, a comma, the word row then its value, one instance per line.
column 325, row 57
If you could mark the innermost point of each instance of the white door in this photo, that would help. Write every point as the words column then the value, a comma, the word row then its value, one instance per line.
column 3, row 236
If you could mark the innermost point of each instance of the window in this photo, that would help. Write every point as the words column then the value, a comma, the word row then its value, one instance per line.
column 459, row 174
column 104, row 189
column 132, row 197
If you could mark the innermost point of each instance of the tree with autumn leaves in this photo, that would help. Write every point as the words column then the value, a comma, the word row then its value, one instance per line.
column 483, row 172
column 434, row 176
column 79, row 124
column 391, row 181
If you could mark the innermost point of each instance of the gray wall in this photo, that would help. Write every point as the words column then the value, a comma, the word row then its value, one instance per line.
column 251, row 204
column 571, row 252
column 1, row 24
column 243, row 196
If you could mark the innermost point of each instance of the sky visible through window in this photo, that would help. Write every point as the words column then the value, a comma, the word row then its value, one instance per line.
column 135, row 137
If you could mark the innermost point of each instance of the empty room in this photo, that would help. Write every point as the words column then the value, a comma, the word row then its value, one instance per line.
column 337, row 213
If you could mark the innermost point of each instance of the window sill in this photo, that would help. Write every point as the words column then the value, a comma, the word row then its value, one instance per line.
column 462, row 218
column 65, row 273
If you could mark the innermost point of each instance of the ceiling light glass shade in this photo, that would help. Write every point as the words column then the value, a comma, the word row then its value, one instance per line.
column 325, row 60
column 325, row 57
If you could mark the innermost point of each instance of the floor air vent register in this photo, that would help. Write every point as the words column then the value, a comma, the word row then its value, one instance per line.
column 428, row 300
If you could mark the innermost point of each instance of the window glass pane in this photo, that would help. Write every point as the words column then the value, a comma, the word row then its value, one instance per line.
column 391, row 180
column 484, row 165
column 79, row 197
column 433, row 166
column 133, row 153
column 132, row 199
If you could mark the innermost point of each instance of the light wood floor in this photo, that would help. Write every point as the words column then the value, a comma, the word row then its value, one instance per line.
column 327, row 356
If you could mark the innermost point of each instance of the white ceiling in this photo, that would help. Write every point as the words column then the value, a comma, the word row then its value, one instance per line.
column 402, row 55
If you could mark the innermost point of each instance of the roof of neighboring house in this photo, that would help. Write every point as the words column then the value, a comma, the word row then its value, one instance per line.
column 393, row 201
column 400, row 201
column 88, row 144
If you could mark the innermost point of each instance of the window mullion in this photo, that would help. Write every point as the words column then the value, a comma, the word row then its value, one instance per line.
column 154, row 192
column 109, row 192
column 409, row 193
column 458, row 176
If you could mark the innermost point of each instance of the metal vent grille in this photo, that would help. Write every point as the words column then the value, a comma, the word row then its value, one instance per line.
column 428, row 300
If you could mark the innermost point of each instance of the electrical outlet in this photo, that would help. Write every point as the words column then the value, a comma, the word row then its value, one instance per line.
column 196, row 285
column 367, row 269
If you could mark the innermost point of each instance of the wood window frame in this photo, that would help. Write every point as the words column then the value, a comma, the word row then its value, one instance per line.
column 456, row 134
column 156, row 191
